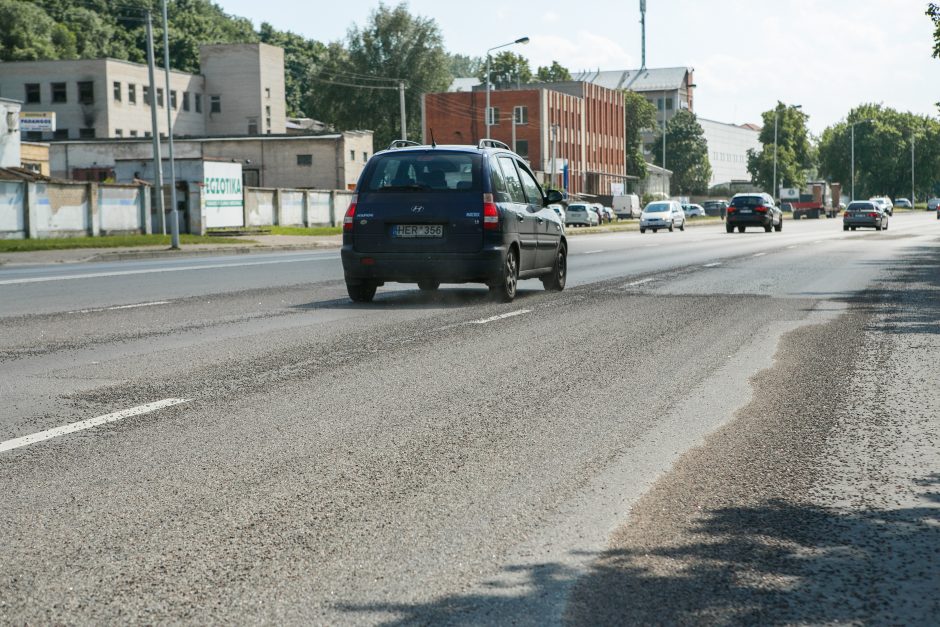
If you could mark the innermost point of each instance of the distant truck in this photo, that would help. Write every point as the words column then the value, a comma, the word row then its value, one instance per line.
column 817, row 199
column 627, row 206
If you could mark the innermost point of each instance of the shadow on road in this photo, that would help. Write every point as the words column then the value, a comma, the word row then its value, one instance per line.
column 774, row 563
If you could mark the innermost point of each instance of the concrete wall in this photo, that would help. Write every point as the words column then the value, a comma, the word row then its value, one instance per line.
column 259, row 207
column 12, row 210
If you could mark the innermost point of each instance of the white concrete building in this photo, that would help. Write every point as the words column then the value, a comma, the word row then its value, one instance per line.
column 240, row 91
column 727, row 150
column 9, row 133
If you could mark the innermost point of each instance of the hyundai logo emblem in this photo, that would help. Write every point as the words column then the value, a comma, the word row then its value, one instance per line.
column 417, row 209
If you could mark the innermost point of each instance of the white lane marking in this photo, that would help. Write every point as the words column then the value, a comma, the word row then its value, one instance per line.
column 592, row 252
column 790, row 247
column 712, row 265
column 116, row 307
column 98, row 275
column 510, row 314
column 760, row 254
column 41, row 436
column 640, row 282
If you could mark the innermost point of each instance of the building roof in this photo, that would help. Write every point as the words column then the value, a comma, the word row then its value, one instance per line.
column 651, row 79
column 214, row 138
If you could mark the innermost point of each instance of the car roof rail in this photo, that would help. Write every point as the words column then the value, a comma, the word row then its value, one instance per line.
column 402, row 143
column 492, row 143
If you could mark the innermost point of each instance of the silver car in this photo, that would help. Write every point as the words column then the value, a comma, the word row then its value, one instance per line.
column 581, row 214
column 867, row 214
column 663, row 214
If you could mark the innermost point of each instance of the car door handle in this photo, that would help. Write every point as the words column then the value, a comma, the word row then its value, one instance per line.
column 541, row 220
column 520, row 217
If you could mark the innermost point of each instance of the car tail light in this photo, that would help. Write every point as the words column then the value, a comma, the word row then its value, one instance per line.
column 350, row 214
column 846, row 215
column 490, row 214
column 730, row 209
column 872, row 215
column 761, row 209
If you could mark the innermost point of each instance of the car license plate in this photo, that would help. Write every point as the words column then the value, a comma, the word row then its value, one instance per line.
column 746, row 211
column 418, row 230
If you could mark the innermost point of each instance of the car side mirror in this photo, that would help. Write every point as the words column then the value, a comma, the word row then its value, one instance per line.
column 553, row 196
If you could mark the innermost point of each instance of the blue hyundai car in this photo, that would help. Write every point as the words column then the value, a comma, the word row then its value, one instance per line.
column 431, row 214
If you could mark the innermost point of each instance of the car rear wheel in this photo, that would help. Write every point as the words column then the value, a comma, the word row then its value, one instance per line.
column 428, row 286
column 741, row 229
column 361, row 292
column 671, row 225
column 845, row 228
column 642, row 230
column 729, row 228
column 555, row 282
column 505, row 288
column 779, row 226
column 682, row 226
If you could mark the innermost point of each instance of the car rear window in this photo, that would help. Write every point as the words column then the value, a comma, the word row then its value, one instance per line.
column 860, row 206
column 747, row 201
column 577, row 208
column 425, row 171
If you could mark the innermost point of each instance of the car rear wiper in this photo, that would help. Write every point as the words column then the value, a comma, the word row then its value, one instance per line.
column 400, row 188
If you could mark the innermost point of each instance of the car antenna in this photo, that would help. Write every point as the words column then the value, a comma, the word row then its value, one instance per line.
column 433, row 143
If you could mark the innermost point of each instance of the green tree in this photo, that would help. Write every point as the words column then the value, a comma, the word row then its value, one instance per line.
column 883, row 139
column 462, row 66
column 352, row 82
column 933, row 12
column 686, row 154
column 555, row 73
column 794, row 152
column 27, row 33
column 507, row 69
column 641, row 115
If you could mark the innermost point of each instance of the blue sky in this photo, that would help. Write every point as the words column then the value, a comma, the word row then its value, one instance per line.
column 827, row 55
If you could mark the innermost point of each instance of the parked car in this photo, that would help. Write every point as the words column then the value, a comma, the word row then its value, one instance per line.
column 715, row 208
column 581, row 214
column 903, row 203
column 663, row 214
column 460, row 214
column 885, row 203
column 559, row 211
column 861, row 213
column 693, row 211
column 627, row 206
column 601, row 215
column 753, row 209
column 933, row 204
column 609, row 213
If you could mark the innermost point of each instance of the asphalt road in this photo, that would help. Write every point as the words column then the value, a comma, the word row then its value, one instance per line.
column 440, row 458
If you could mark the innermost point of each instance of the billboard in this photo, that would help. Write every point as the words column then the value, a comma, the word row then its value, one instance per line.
column 223, row 202
column 37, row 121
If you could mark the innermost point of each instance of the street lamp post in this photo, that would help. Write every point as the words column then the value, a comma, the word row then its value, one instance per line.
column 774, row 191
column 486, row 115
column 853, row 153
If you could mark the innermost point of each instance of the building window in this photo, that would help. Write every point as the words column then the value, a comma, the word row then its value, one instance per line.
column 162, row 135
column 198, row 103
column 352, row 155
column 267, row 92
column 159, row 96
column 173, row 99
column 117, row 91
column 147, row 95
column 33, row 93
column 133, row 133
column 267, row 124
column 522, row 148
column 148, row 134
column 185, row 101
column 252, row 126
column 492, row 119
column 118, row 132
column 668, row 104
column 32, row 136
column 59, row 92
column 267, row 110
column 215, row 104
column 365, row 157
column 86, row 92
column 304, row 159
column 86, row 133
column 131, row 93
column 659, row 104
column 60, row 133
column 521, row 115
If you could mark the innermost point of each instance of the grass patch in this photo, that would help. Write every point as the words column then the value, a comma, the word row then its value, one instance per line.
column 111, row 241
column 303, row 230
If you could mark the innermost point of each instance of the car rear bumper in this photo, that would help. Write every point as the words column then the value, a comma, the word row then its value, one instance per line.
column 749, row 219
column 869, row 222
column 475, row 267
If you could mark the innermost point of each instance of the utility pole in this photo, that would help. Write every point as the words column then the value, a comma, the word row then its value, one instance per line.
column 174, row 217
column 664, row 144
column 514, row 128
column 401, row 105
column 913, row 199
column 155, row 134
column 554, row 160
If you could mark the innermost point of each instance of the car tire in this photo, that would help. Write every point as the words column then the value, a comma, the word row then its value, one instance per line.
column 642, row 230
column 504, row 289
column 555, row 282
column 877, row 227
column 671, row 226
column 845, row 228
column 768, row 228
column 729, row 228
column 428, row 286
column 779, row 226
column 886, row 225
column 682, row 226
column 362, row 292
column 853, row 228
column 741, row 229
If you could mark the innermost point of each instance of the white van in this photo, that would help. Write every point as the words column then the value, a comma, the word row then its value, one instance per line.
column 627, row 206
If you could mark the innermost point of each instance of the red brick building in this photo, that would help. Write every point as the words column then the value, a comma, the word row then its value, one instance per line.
column 589, row 138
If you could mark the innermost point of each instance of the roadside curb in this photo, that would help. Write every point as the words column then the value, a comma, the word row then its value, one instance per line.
column 204, row 252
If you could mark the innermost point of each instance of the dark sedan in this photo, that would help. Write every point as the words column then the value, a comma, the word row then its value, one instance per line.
column 755, row 209
column 861, row 214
